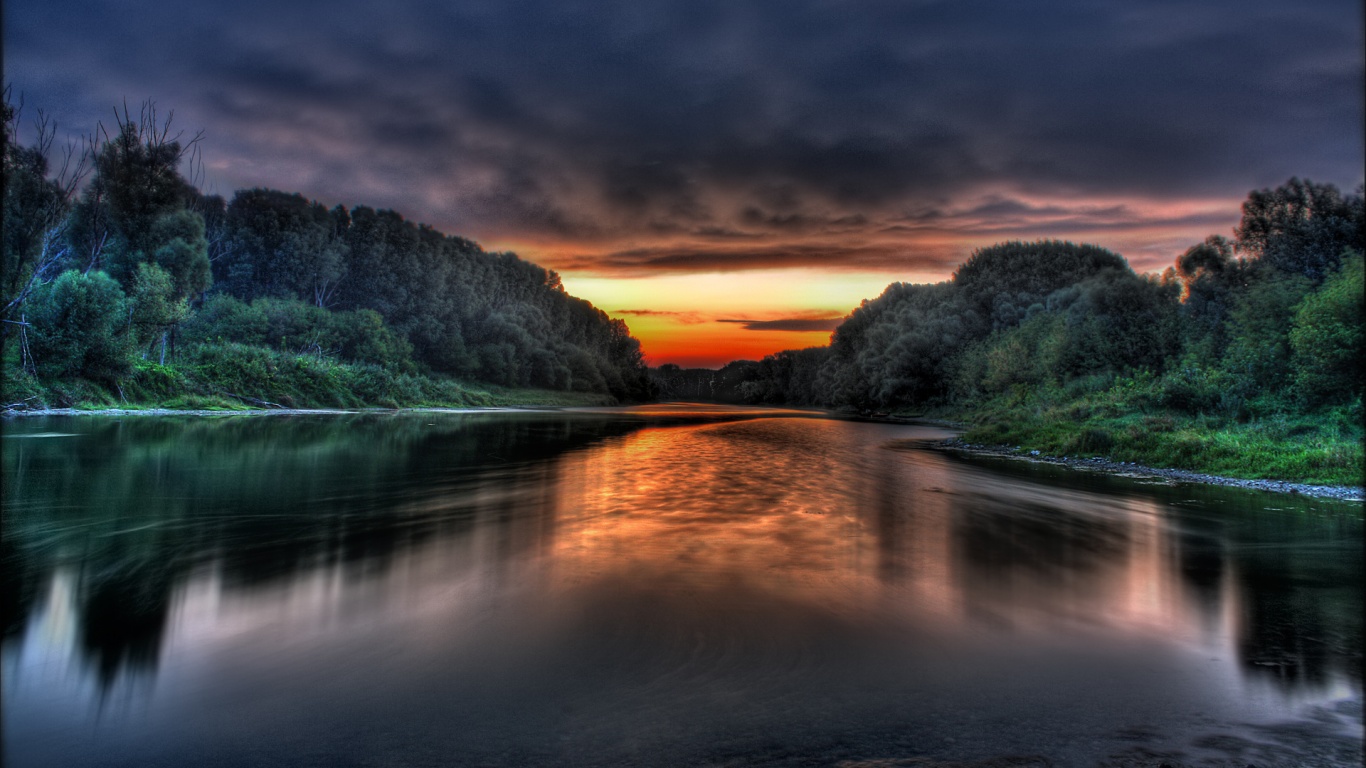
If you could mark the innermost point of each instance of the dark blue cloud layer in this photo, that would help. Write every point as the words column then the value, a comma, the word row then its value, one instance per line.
column 669, row 124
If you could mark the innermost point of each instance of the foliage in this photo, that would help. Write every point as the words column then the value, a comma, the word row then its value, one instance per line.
column 1064, row 348
column 291, row 325
column 1004, row 280
column 154, row 305
column 80, row 327
column 1327, row 449
column 137, row 182
column 275, row 297
column 1258, row 354
column 1301, row 227
column 358, row 285
column 1116, row 321
column 283, row 246
column 1326, row 338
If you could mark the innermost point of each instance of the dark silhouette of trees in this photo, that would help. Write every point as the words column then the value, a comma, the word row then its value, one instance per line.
column 281, row 246
column 149, row 253
column 1267, row 320
column 1276, row 328
column 1301, row 227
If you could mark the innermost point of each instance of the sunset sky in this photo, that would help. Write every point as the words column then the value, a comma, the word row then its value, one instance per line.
column 731, row 178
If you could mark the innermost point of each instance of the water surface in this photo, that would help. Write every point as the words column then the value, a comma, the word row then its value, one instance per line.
column 678, row 585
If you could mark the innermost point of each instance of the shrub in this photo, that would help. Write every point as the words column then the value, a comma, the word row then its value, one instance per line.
column 1326, row 337
column 79, row 327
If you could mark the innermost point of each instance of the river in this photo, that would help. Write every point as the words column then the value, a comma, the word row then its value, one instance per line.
column 676, row 585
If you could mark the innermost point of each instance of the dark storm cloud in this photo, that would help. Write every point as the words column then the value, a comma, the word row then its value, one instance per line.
column 598, row 124
column 871, row 257
column 1008, row 217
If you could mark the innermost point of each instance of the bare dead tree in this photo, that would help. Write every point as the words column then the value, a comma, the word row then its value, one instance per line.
column 96, row 208
column 53, row 252
column 147, row 131
column 50, row 217
column 154, row 135
column 323, row 292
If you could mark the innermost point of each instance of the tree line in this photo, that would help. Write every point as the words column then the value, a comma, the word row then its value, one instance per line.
column 113, row 256
column 1265, row 322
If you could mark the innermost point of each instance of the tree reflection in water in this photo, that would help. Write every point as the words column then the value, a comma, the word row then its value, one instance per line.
column 636, row 569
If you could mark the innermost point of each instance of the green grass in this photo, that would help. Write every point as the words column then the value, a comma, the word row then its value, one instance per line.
column 1324, row 447
column 234, row 377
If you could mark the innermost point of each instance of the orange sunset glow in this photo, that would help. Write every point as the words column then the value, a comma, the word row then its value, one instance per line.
column 696, row 303
column 707, row 320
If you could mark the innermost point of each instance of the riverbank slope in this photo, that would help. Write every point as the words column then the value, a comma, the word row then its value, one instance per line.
column 1320, row 449
column 244, row 378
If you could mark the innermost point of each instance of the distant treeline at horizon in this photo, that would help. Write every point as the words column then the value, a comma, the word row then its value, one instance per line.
column 116, row 258
column 1268, row 322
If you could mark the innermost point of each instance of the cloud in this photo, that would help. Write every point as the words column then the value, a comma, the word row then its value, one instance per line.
column 789, row 324
column 686, row 318
column 873, row 257
column 663, row 135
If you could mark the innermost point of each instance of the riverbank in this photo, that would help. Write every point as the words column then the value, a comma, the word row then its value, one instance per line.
column 1131, row 469
column 121, row 412
column 209, row 380
column 1275, row 441
column 505, row 400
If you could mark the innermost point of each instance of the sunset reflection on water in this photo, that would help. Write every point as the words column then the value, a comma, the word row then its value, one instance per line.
column 815, row 511
column 665, row 585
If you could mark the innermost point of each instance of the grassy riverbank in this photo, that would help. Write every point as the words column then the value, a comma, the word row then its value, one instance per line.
column 238, row 377
column 1120, row 424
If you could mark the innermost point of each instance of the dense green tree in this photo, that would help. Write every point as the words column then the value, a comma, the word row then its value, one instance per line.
column 1118, row 321
column 1002, row 281
column 1326, row 337
column 1301, row 227
column 154, row 306
column 358, row 284
column 1210, row 277
column 1028, row 356
column 80, row 327
column 790, row 377
column 281, row 245
column 295, row 326
column 1258, row 355
column 183, row 252
column 136, row 182
column 137, row 213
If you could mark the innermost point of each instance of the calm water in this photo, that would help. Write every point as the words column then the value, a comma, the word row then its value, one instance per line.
column 662, row 586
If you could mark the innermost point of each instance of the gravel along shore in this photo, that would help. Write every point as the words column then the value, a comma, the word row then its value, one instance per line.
column 1128, row 469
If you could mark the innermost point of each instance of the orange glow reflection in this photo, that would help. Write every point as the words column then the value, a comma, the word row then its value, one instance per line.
column 829, row 518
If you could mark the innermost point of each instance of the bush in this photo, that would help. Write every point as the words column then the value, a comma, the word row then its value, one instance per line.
column 1190, row 388
column 1326, row 338
column 289, row 325
column 79, row 328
